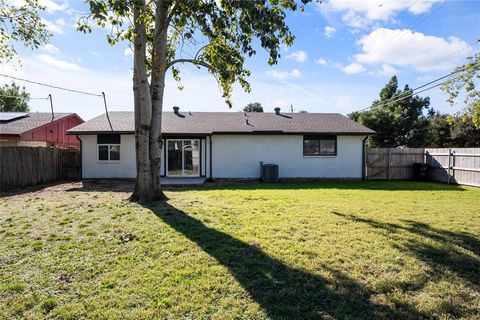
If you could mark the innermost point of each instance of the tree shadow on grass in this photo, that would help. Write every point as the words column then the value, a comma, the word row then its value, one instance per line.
column 437, row 247
column 282, row 291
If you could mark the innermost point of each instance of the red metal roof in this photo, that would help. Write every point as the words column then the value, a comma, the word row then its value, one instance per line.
column 19, row 125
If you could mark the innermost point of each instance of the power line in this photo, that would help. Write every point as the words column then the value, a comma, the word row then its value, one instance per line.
column 51, row 86
column 409, row 94
column 454, row 53
column 17, row 97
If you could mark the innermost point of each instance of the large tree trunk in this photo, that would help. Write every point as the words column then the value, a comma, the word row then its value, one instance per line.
column 148, row 102
column 159, row 56
column 143, row 110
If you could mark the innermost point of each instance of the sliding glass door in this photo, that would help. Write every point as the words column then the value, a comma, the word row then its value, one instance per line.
column 183, row 157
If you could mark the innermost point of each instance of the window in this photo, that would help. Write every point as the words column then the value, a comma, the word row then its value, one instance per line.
column 108, row 147
column 319, row 145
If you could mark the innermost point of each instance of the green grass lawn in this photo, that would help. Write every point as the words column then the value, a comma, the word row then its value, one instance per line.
column 332, row 250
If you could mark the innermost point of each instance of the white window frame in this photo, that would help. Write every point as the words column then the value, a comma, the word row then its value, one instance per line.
column 108, row 146
column 183, row 159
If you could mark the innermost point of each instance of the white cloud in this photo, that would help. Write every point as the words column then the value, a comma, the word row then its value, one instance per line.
column 353, row 68
column 52, row 6
column 298, row 56
column 283, row 75
column 54, row 26
column 50, row 48
column 386, row 70
column 128, row 52
column 57, row 63
column 361, row 13
column 410, row 49
column 329, row 31
column 321, row 61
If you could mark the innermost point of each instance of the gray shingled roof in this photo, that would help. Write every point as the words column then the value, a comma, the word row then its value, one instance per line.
column 229, row 122
column 32, row 121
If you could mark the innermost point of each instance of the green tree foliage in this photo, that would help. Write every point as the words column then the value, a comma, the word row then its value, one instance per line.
column 464, row 82
column 20, row 23
column 213, row 34
column 397, row 117
column 440, row 127
column 14, row 99
column 453, row 131
column 253, row 107
column 464, row 133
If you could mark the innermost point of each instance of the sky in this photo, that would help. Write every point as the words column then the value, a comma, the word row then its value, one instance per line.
column 344, row 53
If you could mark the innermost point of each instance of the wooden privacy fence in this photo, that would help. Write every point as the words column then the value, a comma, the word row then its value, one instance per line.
column 449, row 165
column 26, row 166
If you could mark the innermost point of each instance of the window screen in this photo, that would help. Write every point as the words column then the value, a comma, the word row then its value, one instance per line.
column 319, row 145
column 115, row 152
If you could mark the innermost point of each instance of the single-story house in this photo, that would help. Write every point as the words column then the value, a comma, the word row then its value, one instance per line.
column 229, row 145
column 38, row 129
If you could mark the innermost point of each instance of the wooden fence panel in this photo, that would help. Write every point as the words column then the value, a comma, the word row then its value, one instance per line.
column 392, row 163
column 377, row 163
column 466, row 166
column 448, row 165
column 26, row 166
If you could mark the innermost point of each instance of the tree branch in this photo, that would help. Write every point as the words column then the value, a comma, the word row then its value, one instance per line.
column 171, row 14
column 192, row 61
column 200, row 50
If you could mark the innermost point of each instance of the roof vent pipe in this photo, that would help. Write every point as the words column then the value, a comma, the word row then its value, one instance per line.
column 277, row 111
column 175, row 109
column 246, row 122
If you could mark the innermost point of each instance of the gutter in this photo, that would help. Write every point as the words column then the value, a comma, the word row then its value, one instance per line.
column 211, row 158
column 81, row 158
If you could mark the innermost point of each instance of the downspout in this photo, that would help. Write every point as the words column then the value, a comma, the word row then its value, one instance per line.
column 211, row 175
column 364, row 160
column 81, row 158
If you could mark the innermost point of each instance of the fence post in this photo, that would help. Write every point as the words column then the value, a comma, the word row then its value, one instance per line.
column 453, row 164
column 449, row 165
column 389, row 164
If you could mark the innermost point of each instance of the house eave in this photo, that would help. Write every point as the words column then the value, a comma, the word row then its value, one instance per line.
column 263, row 132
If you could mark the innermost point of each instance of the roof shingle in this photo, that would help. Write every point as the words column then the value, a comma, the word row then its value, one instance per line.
column 205, row 123
column 31, row 121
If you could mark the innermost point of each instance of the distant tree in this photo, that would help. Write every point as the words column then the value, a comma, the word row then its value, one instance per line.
column 14, row 99
column 20, row 23
column 440, row 127
column 397, row 117
column 464, row 133
column 464, row 82
column 253, row 107
column 448, row 131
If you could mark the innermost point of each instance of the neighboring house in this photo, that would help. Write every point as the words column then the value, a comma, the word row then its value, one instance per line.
column 229, row 145
column 37, row 129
